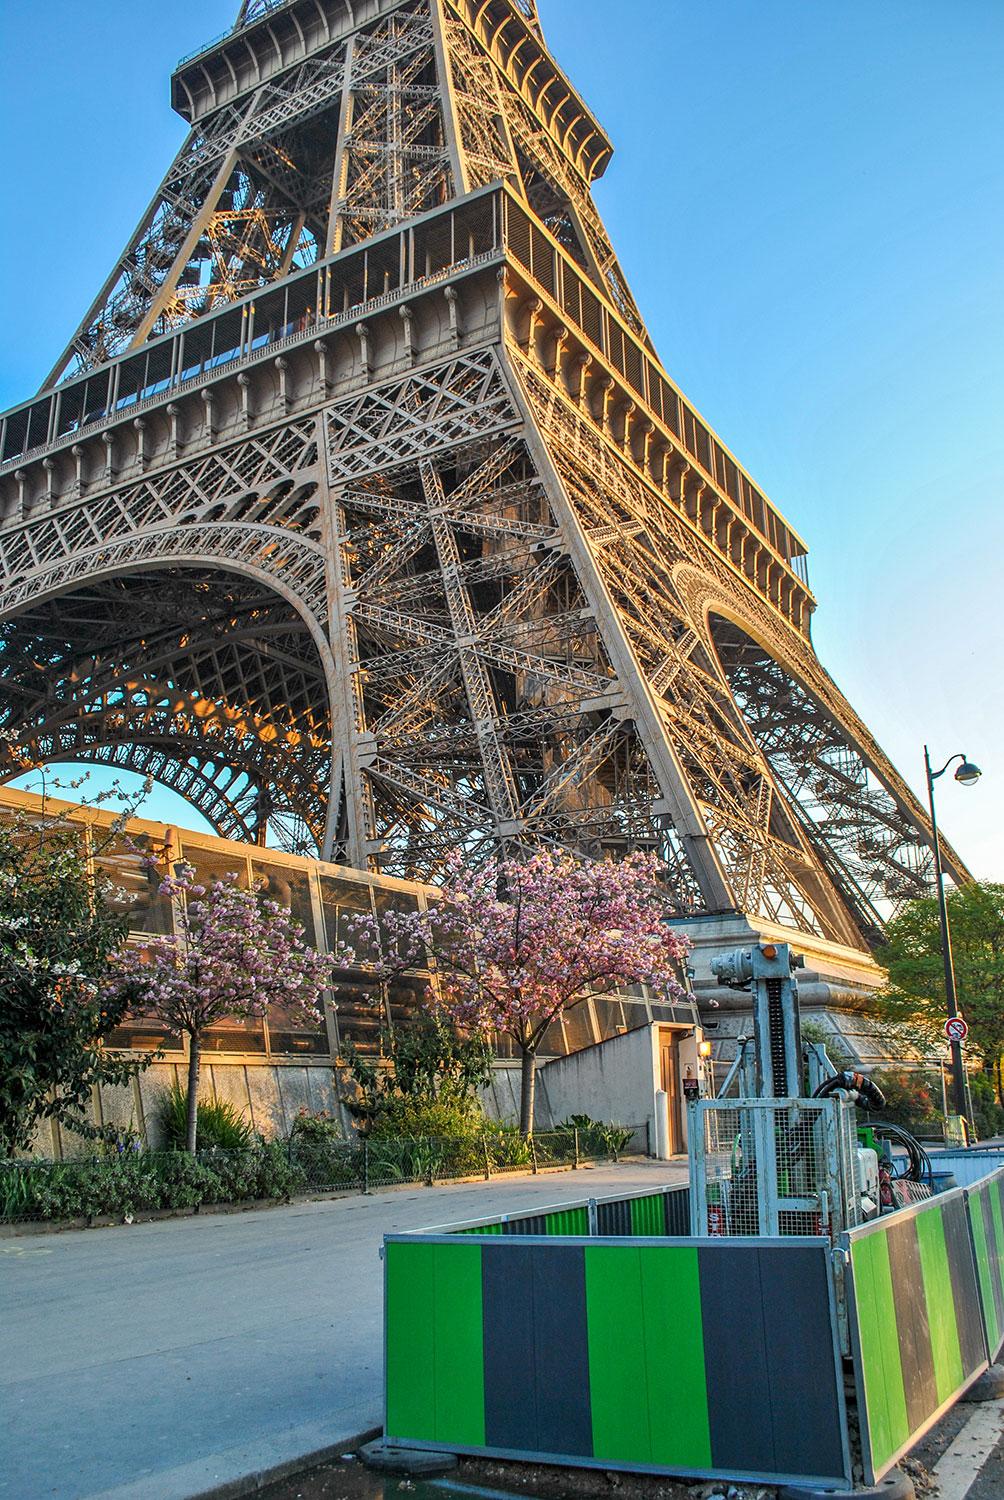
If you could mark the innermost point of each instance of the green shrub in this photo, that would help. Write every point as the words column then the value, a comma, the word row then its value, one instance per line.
column 912, row 1099
column 265, row 1171
column 836, row 1051
column 218, row 1125
column 407, row 1116
column 507, row 1147
column 425, row 1081
column 186, row 1183
column 316, row 1127
column 141, row 1181
column 988, row 1116
column 595, row 1137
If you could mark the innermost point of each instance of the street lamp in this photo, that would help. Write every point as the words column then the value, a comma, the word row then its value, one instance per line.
column 967, row 774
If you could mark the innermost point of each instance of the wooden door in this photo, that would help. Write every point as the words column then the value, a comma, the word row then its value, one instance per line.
column 670, row 1069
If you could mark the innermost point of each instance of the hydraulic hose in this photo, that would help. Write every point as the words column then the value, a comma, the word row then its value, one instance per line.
column 861, row 1089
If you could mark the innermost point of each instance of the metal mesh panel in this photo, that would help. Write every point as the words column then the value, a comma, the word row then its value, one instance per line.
column 773, row 1167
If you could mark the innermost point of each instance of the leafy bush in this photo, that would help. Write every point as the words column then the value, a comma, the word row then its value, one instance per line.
column 594, row 1134
column 815, row 1031
column 406, row 1117
column 912, row 1099
column 319, row 1153
column 425, row 1082
column 187, row 1183
column 264, row 1172
column 59, row 938
column 135, row 1182
column 509, row 1148
column 219, row 1125
column 988, row 1116
column 315, row 1127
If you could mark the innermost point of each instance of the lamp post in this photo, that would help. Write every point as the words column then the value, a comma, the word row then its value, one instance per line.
column 967, row 774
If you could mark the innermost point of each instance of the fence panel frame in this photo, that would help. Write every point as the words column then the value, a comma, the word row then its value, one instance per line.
column 482, row 1234
column 873, row 1472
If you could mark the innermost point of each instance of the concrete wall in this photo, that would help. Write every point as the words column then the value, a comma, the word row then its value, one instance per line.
column 614, row 1081
column 268, row 1095
column 617, row 1081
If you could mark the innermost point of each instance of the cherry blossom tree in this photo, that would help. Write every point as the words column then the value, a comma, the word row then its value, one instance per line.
column 236, row 953
column 518, row 942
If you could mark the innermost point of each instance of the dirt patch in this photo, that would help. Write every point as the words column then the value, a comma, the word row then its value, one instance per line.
column 480, row 1479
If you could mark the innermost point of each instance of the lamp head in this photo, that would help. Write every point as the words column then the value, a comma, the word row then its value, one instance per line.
column 967, row 773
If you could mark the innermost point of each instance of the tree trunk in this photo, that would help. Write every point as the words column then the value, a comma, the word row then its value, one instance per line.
column 528, row 1085
column 194, row 1044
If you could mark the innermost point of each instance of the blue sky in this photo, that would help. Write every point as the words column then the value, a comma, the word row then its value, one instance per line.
column 808, row 200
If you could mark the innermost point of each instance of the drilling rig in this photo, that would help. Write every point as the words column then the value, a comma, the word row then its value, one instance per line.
column 780, row 1151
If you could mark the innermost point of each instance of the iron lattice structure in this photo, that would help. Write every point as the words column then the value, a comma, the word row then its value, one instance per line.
column 360, row 507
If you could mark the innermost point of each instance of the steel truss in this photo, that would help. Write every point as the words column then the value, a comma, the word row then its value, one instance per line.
column 421, row 585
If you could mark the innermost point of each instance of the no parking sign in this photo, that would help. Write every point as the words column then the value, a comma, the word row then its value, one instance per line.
column 956, row 1029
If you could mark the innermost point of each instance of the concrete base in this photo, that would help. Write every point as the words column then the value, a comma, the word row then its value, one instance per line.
column 895, row 1486
column 989, row 1387
column 835, row 988
column 388, row 1459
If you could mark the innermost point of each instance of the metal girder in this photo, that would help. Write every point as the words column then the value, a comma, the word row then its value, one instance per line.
column 205, row 670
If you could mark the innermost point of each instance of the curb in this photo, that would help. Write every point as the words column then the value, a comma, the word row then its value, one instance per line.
column 250, row 1484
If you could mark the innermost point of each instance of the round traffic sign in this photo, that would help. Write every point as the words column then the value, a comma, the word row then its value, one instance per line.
column 956, row 1029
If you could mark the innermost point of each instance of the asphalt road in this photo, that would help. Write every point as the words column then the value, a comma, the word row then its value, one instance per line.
column 153, row 1361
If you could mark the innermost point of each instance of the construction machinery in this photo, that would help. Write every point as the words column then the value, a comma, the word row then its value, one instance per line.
column 780, row 1150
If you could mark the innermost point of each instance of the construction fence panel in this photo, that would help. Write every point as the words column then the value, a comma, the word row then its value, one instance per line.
column 916, row 1320
column 986, row 1223
column 658, row 1212
column 697, row 1358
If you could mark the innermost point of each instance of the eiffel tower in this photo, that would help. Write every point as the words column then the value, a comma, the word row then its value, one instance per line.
column 360, row 509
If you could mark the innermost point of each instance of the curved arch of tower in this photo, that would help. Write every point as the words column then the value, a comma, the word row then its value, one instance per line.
column 360, row 507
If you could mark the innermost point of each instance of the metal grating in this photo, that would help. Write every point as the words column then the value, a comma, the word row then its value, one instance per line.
column 773, row 1167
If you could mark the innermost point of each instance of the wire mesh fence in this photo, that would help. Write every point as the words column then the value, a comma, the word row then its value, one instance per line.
column 122, row 1184
column 775, row 1167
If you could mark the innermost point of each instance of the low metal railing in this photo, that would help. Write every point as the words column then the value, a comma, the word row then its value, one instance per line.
column 122, row 1184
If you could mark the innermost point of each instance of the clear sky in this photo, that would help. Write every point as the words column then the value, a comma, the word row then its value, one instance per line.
column 808, row 200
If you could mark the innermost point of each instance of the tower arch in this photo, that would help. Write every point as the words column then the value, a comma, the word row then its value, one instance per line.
column 213, row 679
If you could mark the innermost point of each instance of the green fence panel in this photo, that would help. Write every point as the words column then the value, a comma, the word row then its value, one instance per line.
column 648, row 1215
column 942, row 1318
column 434, row 1349
column 881, row 1370
column 567, row 1221
column 702, row 1358
column 917, row 1330
column 678, row 1409
column 987, row 1227
column 409, row 1301
column 642, row 1302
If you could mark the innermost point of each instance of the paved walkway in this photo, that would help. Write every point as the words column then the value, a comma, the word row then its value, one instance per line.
column 155, row 1361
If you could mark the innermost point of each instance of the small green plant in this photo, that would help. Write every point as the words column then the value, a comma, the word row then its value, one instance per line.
column 594, row 1134
column 133, row 1182
column 265, row 1171
column 425, row 1082
column 508, row 1148
column 814, row 1031
column 406, row 1117
column 318, row 1151
column 219, row 1126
